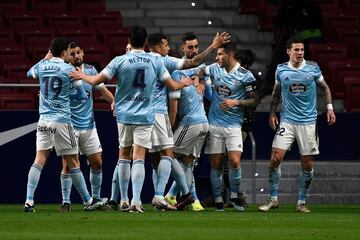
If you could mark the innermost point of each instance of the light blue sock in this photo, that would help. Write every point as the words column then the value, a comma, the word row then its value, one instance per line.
column 163, row 171
column 193, row 189
column 177, row 173
column 78, row 180
column 33, row 180
column 305, row 179
column 216, row 182
column 274, row 181
column 137, row 179
column 115, row 191
column 234, row 181
column 66, row 184
column 174, row 189
column 188, row 173
column 124, row 178
column 154, row 177
column 96, row 181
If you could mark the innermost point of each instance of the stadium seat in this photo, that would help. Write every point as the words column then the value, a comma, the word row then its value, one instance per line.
column 107, row 20
column 86, row 38
column 50, row 6
column 16, row 70
column 13, row 6
column 25, row 21
column 65, row 20
column 249, row 6
column 37, row 53
column 352, row 94
column 7, row 39
column 352, row 39
column 11, row 54
column 99, row 56
column 353, row 5
column 116, row 40
column 35, row 39
column 338, row 21
column 323, row 53
column 88, row 6
column 338, row 71
column 18, row 101
column 267, row 11
column 328, row 5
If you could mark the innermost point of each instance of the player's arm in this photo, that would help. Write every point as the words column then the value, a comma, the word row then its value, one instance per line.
column 250, row 101
column 174, row 85
column 331, row 118
column 78, row 93
column 173, row 109
column 276, row 94
column 218, row 40
column 105, row 93
column 77, row 74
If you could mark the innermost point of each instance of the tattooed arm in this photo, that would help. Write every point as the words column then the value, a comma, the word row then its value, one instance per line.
column 331, row 118
column 276, row 94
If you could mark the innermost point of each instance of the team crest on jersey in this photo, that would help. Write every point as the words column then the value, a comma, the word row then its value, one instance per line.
column 297, row 88
column 223, row 90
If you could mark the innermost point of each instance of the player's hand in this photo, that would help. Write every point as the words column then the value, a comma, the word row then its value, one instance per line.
column 186, row 81
column 273, row 120
column 331, row 118
column 77, row 74
column 48, row 55
column 112, row 107
column 220, row 39
column 228, row 103
column 200, row 87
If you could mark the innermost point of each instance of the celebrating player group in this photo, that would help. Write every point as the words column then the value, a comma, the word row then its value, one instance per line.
column 159, row 109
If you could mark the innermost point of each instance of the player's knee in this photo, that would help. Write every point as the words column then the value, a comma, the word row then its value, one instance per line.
column 216, row 164
column 234, row 164
column 96, row 164
column 276, row 158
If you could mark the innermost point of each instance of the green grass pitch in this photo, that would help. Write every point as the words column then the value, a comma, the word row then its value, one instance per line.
column 324, row 222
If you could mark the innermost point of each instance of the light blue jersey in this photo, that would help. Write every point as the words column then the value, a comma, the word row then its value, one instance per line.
column 82, row 114
column 160, row 101
column 191, row 106
column 228, row 85
column 298, row 91
column 137, row 73
column 55, row 89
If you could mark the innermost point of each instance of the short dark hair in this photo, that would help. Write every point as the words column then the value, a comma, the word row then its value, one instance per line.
column 138, row 36
column 187, row 36
column 245, row 57
column 58, row 45
column 293, row 40
column 74, row 45
column 229, row 47
column 155, row 39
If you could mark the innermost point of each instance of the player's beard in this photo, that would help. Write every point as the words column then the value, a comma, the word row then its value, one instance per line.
column 78, row 63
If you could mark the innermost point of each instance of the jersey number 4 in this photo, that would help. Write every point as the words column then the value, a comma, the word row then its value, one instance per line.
column 139, row 79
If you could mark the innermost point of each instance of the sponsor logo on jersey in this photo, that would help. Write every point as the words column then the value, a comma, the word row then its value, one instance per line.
column 223, row 90
column 297, row 88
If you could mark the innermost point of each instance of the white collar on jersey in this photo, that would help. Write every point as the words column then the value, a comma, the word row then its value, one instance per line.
column 302, row 65
column 155, row 54
column 56, row 59
column 137, row 51
column 237, row 65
